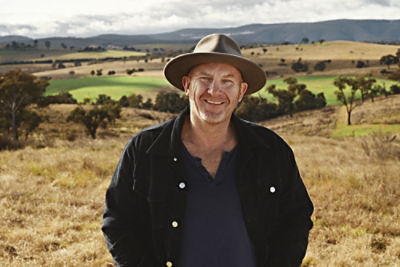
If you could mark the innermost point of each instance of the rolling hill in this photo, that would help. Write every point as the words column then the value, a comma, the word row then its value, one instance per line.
column 350, row 30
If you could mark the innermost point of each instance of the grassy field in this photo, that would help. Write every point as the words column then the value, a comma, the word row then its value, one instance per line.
column 52, row 191
column 336, row 50
column 22, row 54
column 115, row 87
column 318, row 84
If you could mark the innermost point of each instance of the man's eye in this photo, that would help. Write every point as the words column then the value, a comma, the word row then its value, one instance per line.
column 205, row 78
column 227, row 81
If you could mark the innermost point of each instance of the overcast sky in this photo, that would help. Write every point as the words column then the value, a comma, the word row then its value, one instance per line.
column 81, row 18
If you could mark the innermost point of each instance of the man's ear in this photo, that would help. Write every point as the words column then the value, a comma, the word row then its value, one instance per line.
column 186, row 83
column 242, row 90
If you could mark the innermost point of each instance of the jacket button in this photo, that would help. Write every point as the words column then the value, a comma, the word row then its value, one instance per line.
column 272, row 189
column 174, row 224
column 168, row 264
column 182, row 185
column 175, row 159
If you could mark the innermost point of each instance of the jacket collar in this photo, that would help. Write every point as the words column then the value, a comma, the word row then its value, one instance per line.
column 168, row 142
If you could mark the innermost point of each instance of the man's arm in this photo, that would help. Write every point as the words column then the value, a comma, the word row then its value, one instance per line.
column 125, row 218
column 290, row 240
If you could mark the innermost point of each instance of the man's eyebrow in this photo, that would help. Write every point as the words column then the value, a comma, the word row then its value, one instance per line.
column 204, row 73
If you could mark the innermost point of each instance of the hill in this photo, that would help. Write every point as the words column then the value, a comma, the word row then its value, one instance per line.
column 351, row 30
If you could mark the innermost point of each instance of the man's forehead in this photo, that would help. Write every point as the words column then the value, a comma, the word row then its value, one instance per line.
column 211, row 68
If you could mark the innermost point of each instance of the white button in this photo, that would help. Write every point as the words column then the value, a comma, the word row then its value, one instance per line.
column 272, row 189
column 168, row 264
column 175, row 159
column 174, row 224
column 182, row 185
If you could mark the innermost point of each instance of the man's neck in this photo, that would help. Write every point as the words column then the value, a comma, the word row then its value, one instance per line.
column 208, row 136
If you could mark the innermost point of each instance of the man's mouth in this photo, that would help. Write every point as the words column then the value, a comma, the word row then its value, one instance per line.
column 214, row 102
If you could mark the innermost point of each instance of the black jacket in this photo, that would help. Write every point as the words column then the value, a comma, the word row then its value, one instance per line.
column 144, row 198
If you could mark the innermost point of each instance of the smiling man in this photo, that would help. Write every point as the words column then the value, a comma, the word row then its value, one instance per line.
column 207, row 188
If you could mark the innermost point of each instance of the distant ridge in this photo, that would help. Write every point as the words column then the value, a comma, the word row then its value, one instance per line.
column 351, row 30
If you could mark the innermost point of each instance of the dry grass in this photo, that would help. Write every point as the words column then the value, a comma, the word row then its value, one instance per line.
column 52, row 198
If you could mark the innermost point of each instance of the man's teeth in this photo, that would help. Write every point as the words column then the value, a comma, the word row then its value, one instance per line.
column 214, row 102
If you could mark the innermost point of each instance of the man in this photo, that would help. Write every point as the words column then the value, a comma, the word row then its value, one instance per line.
column 207, row 188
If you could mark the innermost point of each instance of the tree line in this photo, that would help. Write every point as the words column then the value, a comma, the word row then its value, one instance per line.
column 20, row 90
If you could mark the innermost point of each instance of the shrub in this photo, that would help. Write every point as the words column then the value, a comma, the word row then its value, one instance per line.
column 96, row 117
column 320, row 66
column 170, row 102
column 104, row 99
column 395, row 89
column 299, row 66
column 360, row 64
column 9, row 144
column 256, row 109
column 307, row 100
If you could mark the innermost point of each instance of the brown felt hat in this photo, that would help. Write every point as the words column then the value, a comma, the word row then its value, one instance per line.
column 215, row 48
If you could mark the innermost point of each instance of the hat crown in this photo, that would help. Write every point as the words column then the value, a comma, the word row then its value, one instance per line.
column 217, row 43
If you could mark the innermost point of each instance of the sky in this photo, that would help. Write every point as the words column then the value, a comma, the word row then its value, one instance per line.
column 83, row 18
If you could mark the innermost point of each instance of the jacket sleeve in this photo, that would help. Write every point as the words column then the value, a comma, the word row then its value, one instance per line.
column 125, row 218
column 291, row 230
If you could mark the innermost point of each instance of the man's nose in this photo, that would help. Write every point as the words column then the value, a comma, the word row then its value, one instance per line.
column 214, row 87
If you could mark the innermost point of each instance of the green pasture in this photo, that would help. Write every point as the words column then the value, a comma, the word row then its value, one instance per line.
column 115, row 87
column 364, row 129
column 316, row 84
column 355, row 130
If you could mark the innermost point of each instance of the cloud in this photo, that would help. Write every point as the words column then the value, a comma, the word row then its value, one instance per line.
column 154, row 16
column 16, row 29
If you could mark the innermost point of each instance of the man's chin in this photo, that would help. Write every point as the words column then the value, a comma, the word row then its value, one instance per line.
column 213, row 118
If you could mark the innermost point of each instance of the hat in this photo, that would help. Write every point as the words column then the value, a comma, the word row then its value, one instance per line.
column 215, row 48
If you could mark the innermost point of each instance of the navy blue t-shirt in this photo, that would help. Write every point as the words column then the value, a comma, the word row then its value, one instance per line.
column 214, row 232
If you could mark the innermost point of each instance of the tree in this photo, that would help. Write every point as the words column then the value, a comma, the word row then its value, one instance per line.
column 18, row 89
column 389, row 60
column 135, row 101
column 95, row 118
column 320, row 66
column 347, row 99
column 299, row 66
column 307, row 100
column 103, row 99
column 47, row 44
column 364, row 83
column 395, row 89
column 256, row 109
column 264, row 50
column 381, row 89
column 29, row 121
column 170, row 102
column 304, row 40
column 286, row 97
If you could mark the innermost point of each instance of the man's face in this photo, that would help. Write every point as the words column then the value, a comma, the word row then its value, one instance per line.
column 214, row 90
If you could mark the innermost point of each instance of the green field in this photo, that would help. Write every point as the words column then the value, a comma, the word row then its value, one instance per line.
column 317, row 84
column 115, row 87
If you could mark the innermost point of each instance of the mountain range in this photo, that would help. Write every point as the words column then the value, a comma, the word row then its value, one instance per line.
column 386, row 31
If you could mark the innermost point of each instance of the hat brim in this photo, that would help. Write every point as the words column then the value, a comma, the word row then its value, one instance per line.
column 180, row 66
